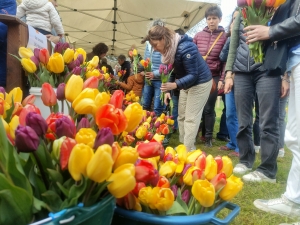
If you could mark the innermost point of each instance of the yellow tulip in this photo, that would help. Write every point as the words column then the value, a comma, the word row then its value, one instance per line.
column 28, row 65
column 103, row 68
column 56, row 63
column 92, row 73
column 15, row 94
column 80, row 156
column 181, row 153
column 68, row 55
column 134, row 52
column 148, row 120
column 25, row 52
column 145, row 195
column 73, row 87
column 158, row 137
column 102, row 99
column 162, row 116
column 170, row 150
column 127, row 155
column 107, row 76
column 165, row 199
column 192, row 156
column 167, row 169
column 84, row 103
column 232, row 187
column 179, row 168
column 227, row 166
column 204, row 192
column 170, row 122
column 141, row 132
column 94, row 62
column 134, row 115
column 13, row 124
column 210, row 168
column 188, row 177
column 86, row 136
column 5, row 125
column 100, row 166
column 122, row 180
column 80, row 51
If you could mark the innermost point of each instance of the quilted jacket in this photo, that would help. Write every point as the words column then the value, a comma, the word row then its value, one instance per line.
column 190, row 68
column 40, row 14
column 204, row 40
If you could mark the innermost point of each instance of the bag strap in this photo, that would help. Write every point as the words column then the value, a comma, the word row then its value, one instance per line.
column 214, row 44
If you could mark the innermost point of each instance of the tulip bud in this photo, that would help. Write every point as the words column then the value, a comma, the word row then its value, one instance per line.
column 91, row 82
column 73, row 64
column 48, row 95
column 185, row 196
column 26, row 139
column 37, row 123
column 36, row 53
column 163, row 182
column 77, row 70
column 241, row 3
column 154, row 178
column 174, row 189
column 28, row 65
column 65, row 127
column 138, row 187
column 35, row 60
column 117, row 99
column 60, row 92
column 83, row 123
column 219, row 181
column 44, row 56
column 65, row 150
column 2, row 90
column 56, row 148
column 150, row 149
column 104, row 136
column 61, row 47
column 219, row 161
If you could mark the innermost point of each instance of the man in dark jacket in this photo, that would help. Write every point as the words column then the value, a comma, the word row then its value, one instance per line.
column 126, row 66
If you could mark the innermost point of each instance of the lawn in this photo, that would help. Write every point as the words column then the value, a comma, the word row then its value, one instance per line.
column 249, row 214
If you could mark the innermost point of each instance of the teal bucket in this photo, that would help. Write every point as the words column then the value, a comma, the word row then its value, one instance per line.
column 98, row 214
column 128, row 217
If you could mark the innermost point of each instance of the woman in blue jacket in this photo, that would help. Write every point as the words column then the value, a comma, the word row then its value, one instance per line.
column 6, row 7
column 191, row 76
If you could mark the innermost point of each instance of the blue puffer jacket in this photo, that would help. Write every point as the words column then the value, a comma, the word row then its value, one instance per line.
column 155, row 60
column 190, row 69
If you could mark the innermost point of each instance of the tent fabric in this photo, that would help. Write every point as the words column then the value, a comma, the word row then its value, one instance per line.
column 121, row 24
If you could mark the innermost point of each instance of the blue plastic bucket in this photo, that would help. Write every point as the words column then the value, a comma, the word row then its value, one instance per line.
column 129, row 217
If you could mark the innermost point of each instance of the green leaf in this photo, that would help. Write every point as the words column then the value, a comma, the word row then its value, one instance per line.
column 10, row 111
column 53, row 200
column 176, row 209
column 99, row 189
column 37, row 183
column 38, row 205
column 51, row 81
column 181, row 202
column 55, row 176
column 64, row 190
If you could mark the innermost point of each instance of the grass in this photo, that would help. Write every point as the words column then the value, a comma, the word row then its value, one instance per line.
column 249, row 214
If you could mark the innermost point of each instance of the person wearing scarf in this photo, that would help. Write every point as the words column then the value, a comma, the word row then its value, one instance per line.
column 191, row 76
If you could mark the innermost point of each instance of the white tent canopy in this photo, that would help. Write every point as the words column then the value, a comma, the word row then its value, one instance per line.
column 123, row 23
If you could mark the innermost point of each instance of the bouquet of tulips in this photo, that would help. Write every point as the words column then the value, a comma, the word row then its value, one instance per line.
column 147, row 66
column 130, row 97
column 178, row 182
column 135, row 57
column 165, row 72
column 258, row 12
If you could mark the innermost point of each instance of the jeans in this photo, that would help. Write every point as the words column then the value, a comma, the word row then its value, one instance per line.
column 153, row 92
column 175, row 110
column 282, row 113
column 267, row 89
column 223, row 131
column 209, row 114
column 231, row 120
column 6, row 7
column 256, row 130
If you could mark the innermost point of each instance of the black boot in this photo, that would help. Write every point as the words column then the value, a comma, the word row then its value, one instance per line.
column 208, row 142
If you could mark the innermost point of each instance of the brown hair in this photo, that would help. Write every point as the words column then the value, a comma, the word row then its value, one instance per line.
column 159, row 33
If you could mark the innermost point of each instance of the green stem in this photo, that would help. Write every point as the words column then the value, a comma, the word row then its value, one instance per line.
column 191, row 208
column 39, row 164
column 2, row 168
column 89, row 192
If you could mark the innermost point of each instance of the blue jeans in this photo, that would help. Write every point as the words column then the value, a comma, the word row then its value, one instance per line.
column 231, row 120
column 175, row 110
column 267, row 89
column 223, row 131
column 6, row 7
column 153, row 92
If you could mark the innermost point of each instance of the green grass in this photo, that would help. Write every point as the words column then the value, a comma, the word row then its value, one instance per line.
column 249, row 214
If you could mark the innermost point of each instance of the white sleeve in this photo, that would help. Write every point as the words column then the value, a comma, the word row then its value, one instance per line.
column 55, row 20
column 21, row 12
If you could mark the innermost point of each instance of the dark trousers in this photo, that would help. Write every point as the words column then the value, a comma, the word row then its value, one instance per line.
column 267, row 89
column 223, row 131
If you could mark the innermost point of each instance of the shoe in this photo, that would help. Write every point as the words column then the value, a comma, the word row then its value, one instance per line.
column 257, row 176
column 256, row 148
column 223, row 139
column 208, row 142
column 281, row 206
column 241, row 169
column 280, row 153
column 297, row 223
column 224, row 148
column 234, row 154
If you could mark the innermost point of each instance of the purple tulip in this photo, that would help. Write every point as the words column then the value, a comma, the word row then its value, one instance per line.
column 170, row 66
column 174, row 189
column 257, row 3
column 2, row 90
column 61, row 47
column 35, row 60
column 73, row 64
column 124, row 144
column 161, row 68
column 36, row 52
column 26, row 139
column 60, row 92
column 37, row 123
column 242, row 3
column 186, row 167
column 83, row 123
column 65, row 127
column 77, row 70
column 104, row 136
column 186, row 196
column 157, row 124
column 80, row 58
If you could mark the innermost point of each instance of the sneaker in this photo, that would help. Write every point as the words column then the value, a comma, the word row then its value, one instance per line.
column 297, row 223
column 281, row 153
column 257, row 176
column 256, row 148
column 281, row 206
column 241, row 169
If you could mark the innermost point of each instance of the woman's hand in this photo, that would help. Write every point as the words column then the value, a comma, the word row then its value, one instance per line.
column 285, row 86
column 167, row 96
column 54, row 39
column 228, row 82
column 168, row 86
column 220, row 85
column 149, row 75
column 142, row 73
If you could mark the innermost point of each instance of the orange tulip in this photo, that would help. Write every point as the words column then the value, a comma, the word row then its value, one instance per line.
column 117, row 99
column 48, row 95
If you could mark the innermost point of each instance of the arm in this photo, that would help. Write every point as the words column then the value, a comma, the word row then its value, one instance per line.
column 128, row 86
column 225, row 50
column 55, row 20
column 20, row 11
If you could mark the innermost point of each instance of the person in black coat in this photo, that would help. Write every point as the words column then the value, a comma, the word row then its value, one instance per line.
column 125, row 65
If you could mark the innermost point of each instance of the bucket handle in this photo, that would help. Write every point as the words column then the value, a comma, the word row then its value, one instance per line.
column 235, row 210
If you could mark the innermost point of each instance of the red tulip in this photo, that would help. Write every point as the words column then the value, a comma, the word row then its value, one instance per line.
column 249, row 2
column 270, row 3
column 163, row 182
column 198, row 174
column 219, row 181
column 91, row 82
column 144, row 171
column 65, row 151
column 219, row 161
column 117, row 99
column 150, row 149
column 200, row 162
column 48, row 95
column 29, row 99
column 244, row 13
column 164, row 129
column 44, row 56
column 138, row 187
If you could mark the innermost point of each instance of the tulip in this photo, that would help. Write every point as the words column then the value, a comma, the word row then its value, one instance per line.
column 65, row 127
column 84, row 123
column 74, row 64
column 44, row 56
column 182, row 153
column 154, row 179
column 30, row 99
column 76, row 70
column 104, row 136
column 219, row 181
column 86, row 136
column 144, row 171
column 102, row 99
column 109, row 116
column 129, row 139
column 91, row 82
column 26, row 139
column 185, row 196
column 167, row 169
column 35, row 60
column 61, row 47
column 211, row 167
column 13, row 124
column 153, row 161
column 84, row 103
column 192, row 156
column 134, row 115
column 141, row 132
column 36, row 53
column 204, row 192
column 163, row 182
column 232, row 187
column 227, row 166
column 93, row 73
column 219, row 162
column 60, row 92
column 28, row 65
column 198, row 175
column 80, row 156
column 127, row 155
column 200, row 162
column 68, row 55
column 180, row 166
column 278, row 3
column 244, row 13
column 145, row 195
column 116, row 149
column 257, row 3
column 164, row 129
column 186, row 167
column 56, row 63
column 174, row 188
column 158, row 138
column 250, row 2
column 73, row 87
column 25, row 52
column 188, row 176
column 150, row 149
column 138, row 187
column 37, row 122
column 270, row 3
column 48, row 95
column 117, row 99
column 56, row 148
column 100, row 166
column 15, row 95
column 241, row 3
column 25, row 110
column 122, row 180
column 94, row 62
column 129, row 202
column 165, row 199
column 80, row 54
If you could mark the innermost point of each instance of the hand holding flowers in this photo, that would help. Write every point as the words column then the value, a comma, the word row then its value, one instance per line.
column 147, row 66
column 165, row 73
